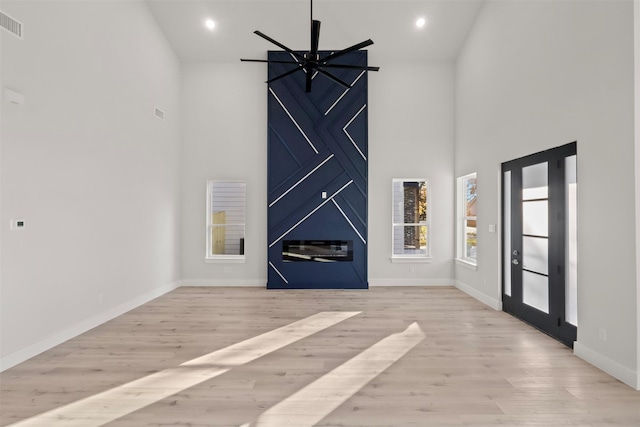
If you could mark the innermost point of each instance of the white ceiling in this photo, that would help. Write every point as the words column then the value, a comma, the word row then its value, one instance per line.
column 389, row 23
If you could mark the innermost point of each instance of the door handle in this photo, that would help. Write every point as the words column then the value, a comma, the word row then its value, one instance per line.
column 515, row 262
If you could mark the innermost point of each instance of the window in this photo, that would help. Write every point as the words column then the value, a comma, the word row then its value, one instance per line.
column 410, row 226
column 225, row 221
column 467, row 241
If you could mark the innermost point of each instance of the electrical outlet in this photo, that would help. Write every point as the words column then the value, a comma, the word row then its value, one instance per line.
column 100, row 299
column 602, row 334
column 412, row 269
column 227, row 270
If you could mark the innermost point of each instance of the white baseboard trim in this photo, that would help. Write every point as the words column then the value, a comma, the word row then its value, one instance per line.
column 253, row 283
column 27, row 353
column 611, row 367
column 263, row 283
column 483, row 298
column 410, row 282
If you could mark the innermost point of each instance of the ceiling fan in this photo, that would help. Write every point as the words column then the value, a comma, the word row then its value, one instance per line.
column 311, row 61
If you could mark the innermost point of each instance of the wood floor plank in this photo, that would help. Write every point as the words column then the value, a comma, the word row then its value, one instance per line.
column 473, row 366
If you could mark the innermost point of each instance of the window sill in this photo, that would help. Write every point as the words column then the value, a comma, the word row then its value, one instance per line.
column 466, row 264
column 226, row 259
column 411, row 259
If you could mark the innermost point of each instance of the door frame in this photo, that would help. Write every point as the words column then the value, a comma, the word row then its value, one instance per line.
column 554, row 323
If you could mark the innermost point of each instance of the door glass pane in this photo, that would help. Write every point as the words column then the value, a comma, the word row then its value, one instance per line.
column 535, row 254
column 506, row 217
column 571, row 288
column 535, row 290
column 535, row 182
column 535, row 218
column 535, row 222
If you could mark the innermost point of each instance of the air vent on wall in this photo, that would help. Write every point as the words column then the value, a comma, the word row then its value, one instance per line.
column 11, row 25
column 158, row 113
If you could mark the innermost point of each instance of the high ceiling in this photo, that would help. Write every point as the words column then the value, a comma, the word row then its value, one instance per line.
column 389, row 23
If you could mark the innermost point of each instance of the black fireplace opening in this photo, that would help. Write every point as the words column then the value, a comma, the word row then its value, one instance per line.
column 317, row 250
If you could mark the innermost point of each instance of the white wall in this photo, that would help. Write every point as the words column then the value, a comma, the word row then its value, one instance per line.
column 637, row 121
column 225, row 137
column 88, row 167
column 411, row 125
column 535, row 75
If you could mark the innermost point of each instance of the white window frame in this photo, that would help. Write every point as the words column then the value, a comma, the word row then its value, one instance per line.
column 461, row 229
column 411, row 258
column 222, row 258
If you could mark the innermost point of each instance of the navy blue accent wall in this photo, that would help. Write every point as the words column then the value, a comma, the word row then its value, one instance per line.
column 317, row 144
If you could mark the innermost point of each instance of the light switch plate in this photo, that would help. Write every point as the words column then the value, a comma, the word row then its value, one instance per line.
column 17, row 224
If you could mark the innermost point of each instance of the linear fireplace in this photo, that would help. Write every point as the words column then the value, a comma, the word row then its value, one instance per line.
column 317, row 250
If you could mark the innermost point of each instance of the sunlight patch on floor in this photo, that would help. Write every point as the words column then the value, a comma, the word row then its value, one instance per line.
column 311, row 404
column 109, row 405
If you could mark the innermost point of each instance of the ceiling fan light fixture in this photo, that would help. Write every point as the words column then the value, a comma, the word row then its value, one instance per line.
column 421, row 22
column 312, row 61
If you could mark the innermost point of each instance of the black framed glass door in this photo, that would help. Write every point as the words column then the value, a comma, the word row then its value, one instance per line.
column 539, row 241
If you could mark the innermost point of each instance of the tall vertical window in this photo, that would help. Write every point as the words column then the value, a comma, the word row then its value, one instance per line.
column 410, row 218
column 467, row 237
column 225, row 220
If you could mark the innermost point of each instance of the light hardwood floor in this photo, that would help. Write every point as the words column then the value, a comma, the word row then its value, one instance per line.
column 460, row 364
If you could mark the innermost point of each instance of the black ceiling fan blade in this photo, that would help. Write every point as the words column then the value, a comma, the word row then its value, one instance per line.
column 280, row 45
column 334, row 78
column 347, row 50
column 269, row 61
column 284, row 74
column 315, row 37
column 351, row 67
column 308, row 81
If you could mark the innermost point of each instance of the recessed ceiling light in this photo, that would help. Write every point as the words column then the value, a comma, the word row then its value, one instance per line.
column 210, row 24
column 421, row 22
